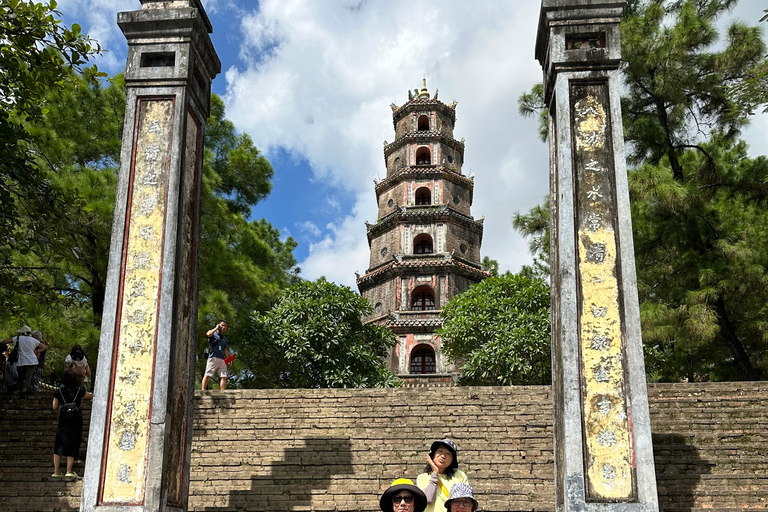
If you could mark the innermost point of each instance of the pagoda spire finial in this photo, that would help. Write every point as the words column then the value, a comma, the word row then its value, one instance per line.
column 424, row 93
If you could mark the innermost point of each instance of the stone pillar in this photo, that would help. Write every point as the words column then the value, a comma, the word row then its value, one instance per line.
column 603, row 451
column 141, row 424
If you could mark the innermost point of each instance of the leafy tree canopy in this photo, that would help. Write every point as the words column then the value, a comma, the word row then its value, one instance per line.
column 499, row 328
column 314, row 337
column 37, row 54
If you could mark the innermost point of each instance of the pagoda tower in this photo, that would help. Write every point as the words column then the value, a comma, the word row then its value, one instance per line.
column 425, row 245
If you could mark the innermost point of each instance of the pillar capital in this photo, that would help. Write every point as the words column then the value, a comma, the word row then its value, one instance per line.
column 578, row 35
column 169, row 44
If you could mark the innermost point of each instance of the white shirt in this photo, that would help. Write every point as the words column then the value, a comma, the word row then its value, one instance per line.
column 27, row 346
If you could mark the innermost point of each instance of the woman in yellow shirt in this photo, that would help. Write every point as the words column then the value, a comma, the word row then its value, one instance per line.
column 441, row 474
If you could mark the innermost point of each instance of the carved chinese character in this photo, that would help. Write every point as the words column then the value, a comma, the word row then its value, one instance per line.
column 147, row 204
column 606, row 437
column 594, row 222
column 596, row 253
column 124, row 474
column 150, row 177
column 591, row 139
column 130, row 408
column 594, row 193
column 600, row 342
column 594, row 166
column 136, row 346
column 127, row 441
column 602, row 372
column 588, row 109
column 132, row 377
column 141, row 261
column 609, row 472
column 146, row 232
column 604, row 406
column 138, row 317
column 138, row 289
column 152, row 154
column 599, row 312
column 154, row 126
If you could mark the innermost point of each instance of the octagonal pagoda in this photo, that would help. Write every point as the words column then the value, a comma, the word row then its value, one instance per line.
column 425, row 245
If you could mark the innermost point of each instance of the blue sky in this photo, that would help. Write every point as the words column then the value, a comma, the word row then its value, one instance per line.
column 312, row 81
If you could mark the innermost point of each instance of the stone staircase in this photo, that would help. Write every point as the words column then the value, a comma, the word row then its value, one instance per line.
column 326, row 450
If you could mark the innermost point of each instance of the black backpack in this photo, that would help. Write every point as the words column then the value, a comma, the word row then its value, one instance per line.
column 70, row 409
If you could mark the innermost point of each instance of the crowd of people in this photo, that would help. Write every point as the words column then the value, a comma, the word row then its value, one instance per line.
column 22, row 362
column 443, row 487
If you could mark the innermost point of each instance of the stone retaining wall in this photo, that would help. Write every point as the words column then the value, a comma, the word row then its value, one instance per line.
column 331, row 450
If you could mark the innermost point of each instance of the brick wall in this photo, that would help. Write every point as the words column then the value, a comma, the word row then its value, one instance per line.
column 337, row 449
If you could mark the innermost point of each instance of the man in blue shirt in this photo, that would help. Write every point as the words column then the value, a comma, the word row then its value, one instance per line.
column 219, row 351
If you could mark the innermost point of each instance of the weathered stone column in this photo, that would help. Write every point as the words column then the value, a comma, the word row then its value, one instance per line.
column 141, row 425
column 603, row 451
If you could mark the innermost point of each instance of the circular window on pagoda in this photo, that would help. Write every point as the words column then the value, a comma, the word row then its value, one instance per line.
column 391, row 203
column 450, row 159
column 456, row 200
column 383, row 252
column 463, row 248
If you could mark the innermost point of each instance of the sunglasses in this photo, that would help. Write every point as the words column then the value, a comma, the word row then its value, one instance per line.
column 398, row 499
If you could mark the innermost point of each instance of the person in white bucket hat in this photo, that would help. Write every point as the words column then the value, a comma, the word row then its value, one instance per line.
column 461, row 499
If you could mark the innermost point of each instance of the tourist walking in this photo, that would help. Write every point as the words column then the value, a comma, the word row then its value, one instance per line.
column 78, row 363
column 442, row 473
column 218, row 352
column 403, row 496
column 28, row 348
column 69, row 432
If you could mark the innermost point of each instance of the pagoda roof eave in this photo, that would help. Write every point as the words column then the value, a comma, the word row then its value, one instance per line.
column 401, row 265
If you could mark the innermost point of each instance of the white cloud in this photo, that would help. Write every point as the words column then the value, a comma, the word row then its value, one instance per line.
column 98, row 18
column 309, row 227
column 318, row 80
column 342, row 252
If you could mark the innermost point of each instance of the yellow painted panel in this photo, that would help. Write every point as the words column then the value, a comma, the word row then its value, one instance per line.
column 137, row 331
column 606, row 424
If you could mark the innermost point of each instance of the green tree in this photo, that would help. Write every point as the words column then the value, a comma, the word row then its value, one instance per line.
column 698, row 200
column 37, row 54
column 75, row 147
column 499, row 329
column 531, row 104
column 534, row 226
column 314, row 337
column 491, row 265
